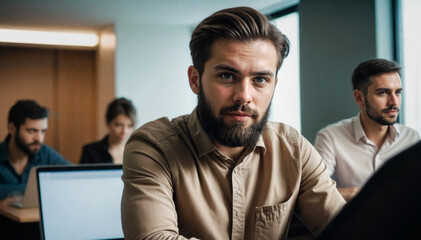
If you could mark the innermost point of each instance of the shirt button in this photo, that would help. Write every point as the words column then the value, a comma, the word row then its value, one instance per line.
column 235, row 171
column 238, row 192
column 236, row 214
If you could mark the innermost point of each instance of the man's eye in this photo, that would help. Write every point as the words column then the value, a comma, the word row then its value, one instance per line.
column 260, row 79
column 227, row 76
column 381, row 93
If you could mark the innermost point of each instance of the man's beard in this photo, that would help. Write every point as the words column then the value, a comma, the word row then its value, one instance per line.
column 25, row 147
column 232, row 136
column 371, row 113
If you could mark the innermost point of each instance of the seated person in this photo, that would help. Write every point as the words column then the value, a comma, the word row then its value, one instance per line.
column 387, row 207
column 353, row 149
column 23, row 147
column 224, row 171
column 120, row 117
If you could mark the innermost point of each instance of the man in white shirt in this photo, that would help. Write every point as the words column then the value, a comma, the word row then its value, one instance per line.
column 353, row 149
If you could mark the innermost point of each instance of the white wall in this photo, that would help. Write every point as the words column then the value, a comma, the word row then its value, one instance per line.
column 151, row 69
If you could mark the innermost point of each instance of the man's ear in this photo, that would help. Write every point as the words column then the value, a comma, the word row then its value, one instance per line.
column 359, row 97
column 11, row 128
column 194, row 78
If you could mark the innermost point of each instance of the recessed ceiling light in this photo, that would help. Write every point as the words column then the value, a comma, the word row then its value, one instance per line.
column 49, row 37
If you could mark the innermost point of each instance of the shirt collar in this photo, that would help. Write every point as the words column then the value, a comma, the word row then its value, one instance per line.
column 260, row 143
column 202, row 141
column 360, row 134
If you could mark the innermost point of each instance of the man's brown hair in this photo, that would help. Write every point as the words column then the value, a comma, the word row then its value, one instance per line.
column 242, row 24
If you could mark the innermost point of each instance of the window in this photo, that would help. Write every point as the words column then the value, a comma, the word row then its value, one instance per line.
column 410, row 60
column 286, row 101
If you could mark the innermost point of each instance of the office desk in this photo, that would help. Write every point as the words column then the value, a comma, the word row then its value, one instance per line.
column 21, row 215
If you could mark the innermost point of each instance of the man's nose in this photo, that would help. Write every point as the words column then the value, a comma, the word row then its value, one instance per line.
column 243, row 92
column 394, row 100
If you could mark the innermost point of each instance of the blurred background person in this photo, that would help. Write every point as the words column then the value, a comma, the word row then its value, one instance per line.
column 24, row 148
column 121, row 118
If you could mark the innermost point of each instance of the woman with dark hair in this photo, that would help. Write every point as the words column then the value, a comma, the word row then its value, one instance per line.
column 120, row 117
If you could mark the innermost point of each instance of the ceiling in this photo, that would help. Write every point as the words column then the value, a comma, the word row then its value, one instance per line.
column 96, row 14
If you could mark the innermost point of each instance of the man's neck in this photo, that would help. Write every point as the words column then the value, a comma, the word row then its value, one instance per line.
column 18, row 158
column 377, row 133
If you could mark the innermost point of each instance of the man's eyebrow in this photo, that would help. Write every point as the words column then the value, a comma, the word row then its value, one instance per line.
column 231, row 69
column 387, row 89
column 226, row 68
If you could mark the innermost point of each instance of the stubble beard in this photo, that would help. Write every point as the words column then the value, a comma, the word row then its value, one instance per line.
column 371, row 113
column 25, row 147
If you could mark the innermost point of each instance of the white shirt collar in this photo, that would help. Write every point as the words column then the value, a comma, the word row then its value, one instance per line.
column 359, row 133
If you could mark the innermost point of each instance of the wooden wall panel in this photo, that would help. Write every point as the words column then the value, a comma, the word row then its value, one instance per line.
column 62, row 80
column 26, row 73
column 76, row 101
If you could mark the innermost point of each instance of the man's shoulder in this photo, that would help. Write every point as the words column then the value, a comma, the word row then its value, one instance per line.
column 161, row 128
column 281, row 127
column 47, row 155
column 341, row 125
column 47, row 149
column 281, row 130
column 407, row 132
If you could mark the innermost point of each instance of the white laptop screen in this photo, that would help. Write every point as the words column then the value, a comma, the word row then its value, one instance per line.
column 80, row 203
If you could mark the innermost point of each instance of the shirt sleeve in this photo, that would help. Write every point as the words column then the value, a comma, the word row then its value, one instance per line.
column 5, row 189
column 318, row 200
column 325, row 147
column 52, row 157
column 147, row 207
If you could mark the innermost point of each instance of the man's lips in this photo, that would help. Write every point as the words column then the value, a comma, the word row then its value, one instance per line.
column 239, row 116
column 391, row 112
column 35, row 145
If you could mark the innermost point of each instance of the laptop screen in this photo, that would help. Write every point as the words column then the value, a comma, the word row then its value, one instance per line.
column 80, row 202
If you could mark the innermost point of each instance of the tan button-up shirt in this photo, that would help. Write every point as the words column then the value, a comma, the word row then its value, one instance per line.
column 178, row 185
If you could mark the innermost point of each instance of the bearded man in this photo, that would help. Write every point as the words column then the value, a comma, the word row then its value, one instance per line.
column 353, row 149
column 224, row 171
column 23, row 147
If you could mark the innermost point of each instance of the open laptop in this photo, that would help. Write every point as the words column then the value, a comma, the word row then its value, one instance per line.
column 30, row 197
column 80, row 202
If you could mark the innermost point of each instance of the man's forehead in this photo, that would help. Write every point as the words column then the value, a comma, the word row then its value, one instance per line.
column 385, row 80
column 36, row 123
column 228, row 49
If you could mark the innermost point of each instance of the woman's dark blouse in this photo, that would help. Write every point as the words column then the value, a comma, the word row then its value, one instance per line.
column 96, row 152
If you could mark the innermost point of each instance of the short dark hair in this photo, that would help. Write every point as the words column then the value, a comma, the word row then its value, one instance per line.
column 24, row 109
column 365, row 70
column 121, row 106
column 242, row 24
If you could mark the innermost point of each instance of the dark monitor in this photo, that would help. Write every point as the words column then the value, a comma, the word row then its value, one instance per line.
column 387, row 207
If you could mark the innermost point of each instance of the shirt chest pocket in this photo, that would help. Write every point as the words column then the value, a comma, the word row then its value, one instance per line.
column 272, row 221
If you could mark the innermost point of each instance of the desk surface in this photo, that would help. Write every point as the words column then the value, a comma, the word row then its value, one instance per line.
column 23, row 215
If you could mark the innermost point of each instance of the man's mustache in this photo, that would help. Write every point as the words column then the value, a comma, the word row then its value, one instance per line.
column 394, row 108
column 242, row 108
column 34, row 143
